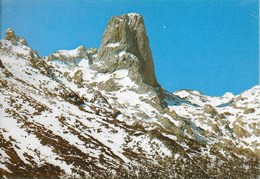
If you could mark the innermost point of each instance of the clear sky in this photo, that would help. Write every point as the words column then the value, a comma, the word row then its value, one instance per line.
column 206, row 45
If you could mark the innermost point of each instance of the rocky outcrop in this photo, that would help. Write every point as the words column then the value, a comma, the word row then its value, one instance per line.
column 1, row 64
column 78, row 77
column 10, row 35
column 72, row 57
column 125, row 45
column 210, row 110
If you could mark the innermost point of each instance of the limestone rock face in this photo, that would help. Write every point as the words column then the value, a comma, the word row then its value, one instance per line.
column 125, row 45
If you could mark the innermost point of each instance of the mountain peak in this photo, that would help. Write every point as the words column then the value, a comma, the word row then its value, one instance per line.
column 10, row 35
column 125, row 45
column 61, row 116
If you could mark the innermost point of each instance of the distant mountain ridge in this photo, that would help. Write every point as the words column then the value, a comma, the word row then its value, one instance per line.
column 100, row 113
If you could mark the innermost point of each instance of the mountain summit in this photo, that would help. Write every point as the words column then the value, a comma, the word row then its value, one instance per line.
column 125, row 45
column 98, row 113
column 10, row 35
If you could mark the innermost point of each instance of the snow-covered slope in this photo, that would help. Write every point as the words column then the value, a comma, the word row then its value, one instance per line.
column 235, row 118
column 62, row 118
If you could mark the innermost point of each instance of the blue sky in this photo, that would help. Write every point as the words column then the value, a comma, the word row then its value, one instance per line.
column 206, row 45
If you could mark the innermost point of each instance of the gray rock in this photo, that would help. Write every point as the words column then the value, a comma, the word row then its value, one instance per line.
column 125, row 45
column 109, row 85
column 78, row 77
column 92, row 53
column 210, row 110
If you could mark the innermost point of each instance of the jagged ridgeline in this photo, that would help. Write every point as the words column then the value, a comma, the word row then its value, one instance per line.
column 101, row 113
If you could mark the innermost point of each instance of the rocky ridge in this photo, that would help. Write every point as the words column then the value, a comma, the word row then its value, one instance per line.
column 89, row 113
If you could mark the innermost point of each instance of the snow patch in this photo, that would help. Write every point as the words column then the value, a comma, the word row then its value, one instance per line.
column 113, row 45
